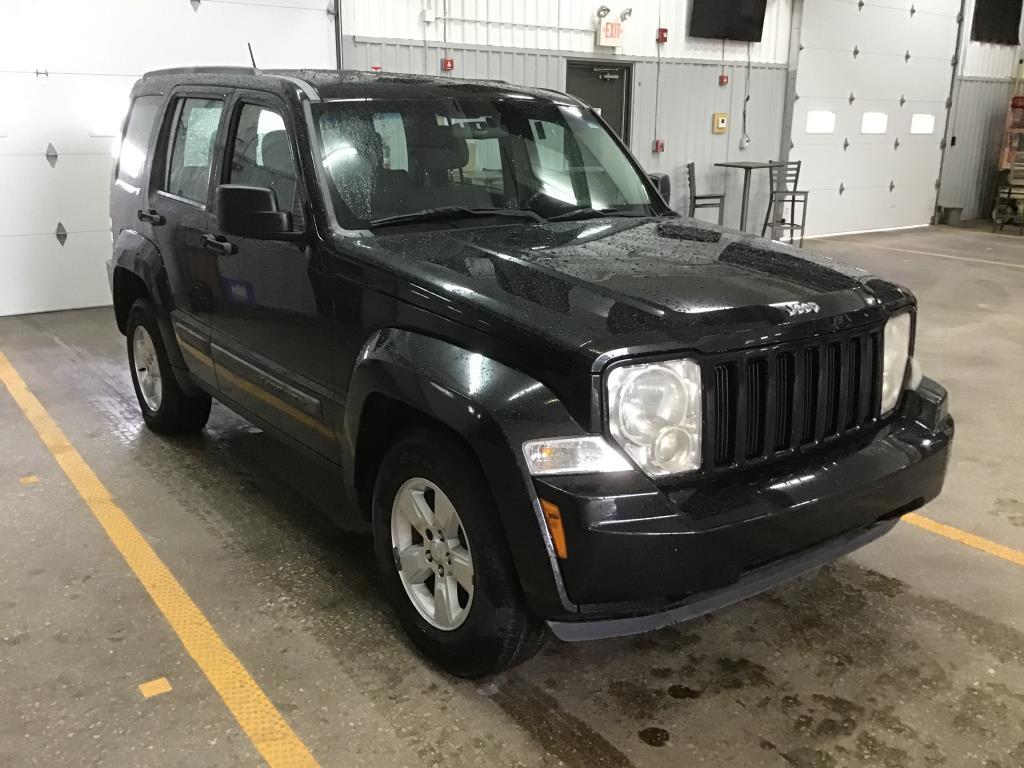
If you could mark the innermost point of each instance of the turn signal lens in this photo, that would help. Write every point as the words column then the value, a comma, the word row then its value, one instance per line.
column 573, row 455
column 553, row 517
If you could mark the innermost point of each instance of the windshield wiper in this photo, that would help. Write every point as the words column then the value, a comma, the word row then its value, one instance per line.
column 452, row 213
column 595, row 213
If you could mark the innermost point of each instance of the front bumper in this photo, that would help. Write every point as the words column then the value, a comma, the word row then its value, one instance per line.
column 641, row 556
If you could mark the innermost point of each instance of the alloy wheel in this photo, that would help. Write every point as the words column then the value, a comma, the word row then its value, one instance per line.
column 147, row 368
column 432, row 554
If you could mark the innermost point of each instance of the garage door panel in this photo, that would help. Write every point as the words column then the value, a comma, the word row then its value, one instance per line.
column 40, row 275
column 874, row 29
column 73, row 192
column 879, row 77
column 215, row 34
column 78, row 114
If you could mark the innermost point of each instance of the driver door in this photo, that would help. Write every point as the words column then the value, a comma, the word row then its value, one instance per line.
column 271, row 331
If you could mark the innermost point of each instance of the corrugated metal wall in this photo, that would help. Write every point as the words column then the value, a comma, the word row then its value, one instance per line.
column 689, row 95
column 541, row 69
column 558, row 25
column 981, row 96
column 968, row 168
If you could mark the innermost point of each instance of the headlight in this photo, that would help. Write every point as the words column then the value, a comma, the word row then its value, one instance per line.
column 654, row 413
column 895, row 355
column 571, row 455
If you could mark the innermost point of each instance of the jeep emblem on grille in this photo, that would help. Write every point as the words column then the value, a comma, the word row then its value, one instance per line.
column 794, row 308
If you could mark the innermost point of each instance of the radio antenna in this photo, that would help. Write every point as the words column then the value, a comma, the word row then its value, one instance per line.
column 251, row 57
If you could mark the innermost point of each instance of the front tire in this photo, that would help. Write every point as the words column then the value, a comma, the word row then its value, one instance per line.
column 444, row 559
column 165, row 408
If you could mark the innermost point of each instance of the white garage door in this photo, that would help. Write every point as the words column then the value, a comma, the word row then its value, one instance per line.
column 66, row 68
column 872, row 85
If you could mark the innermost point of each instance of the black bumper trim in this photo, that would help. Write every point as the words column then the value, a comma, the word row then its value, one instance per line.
column 750, row 584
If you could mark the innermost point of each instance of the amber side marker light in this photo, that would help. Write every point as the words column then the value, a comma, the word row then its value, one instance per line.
column 553, row 517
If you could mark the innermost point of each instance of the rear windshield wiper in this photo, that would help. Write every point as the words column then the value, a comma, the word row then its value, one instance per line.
column 594, row 213
column 451, row 213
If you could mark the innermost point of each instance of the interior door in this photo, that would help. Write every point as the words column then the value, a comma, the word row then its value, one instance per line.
column 605, row 87
column 271, row 326
column 179, row 215
column 872, row 82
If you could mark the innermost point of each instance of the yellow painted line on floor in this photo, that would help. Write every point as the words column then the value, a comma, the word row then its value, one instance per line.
column 262, row 723
column 963, row 537
column 28, row 480
column 155, row 687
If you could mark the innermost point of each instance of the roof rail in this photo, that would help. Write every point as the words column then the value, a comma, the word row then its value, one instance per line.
column 307, row 89
column 200, row 71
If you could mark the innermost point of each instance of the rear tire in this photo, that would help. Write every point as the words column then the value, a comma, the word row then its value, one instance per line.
column 485, row 626
column 165, row 408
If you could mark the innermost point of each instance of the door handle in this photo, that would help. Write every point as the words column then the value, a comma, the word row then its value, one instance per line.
column 218, row 244
column 152, row 217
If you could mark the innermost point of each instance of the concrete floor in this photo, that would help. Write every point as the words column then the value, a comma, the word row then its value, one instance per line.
column 907, row 653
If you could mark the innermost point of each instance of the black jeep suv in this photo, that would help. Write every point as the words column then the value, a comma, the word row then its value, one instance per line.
column 553, row 400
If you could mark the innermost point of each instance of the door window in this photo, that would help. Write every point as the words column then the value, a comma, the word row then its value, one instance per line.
column 195, row 135
column 262, row 155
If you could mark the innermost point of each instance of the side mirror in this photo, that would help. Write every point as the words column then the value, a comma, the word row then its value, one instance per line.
column 663, row 184
column 252, row 212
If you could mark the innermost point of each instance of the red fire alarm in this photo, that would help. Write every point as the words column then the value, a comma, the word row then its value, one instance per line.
column 659, row 145
column 375, row 68
column 723, row 79
column 447, row 64
column 662, row 36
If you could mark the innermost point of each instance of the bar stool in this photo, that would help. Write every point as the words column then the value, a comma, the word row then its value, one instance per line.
column 703, row 201
column 784, row 180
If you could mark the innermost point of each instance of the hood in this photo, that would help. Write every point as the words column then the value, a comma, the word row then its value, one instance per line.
column 618, row 283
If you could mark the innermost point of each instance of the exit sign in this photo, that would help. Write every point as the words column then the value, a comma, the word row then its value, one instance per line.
column 609, row 33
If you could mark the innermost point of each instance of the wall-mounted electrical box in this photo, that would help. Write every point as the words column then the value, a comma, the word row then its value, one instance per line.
column 447, row 64
column 658, row 146
column 720, row 122
column 662, row 35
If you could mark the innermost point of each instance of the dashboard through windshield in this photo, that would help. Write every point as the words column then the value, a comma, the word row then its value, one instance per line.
column 386, row 161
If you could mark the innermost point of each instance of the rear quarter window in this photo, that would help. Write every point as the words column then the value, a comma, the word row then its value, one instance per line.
column 135, row 144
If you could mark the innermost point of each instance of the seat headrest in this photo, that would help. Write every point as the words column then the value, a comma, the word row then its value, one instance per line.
column 435, row 147
column 276, row 154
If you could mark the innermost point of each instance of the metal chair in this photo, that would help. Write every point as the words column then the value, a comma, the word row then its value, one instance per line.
column 785, row 177
column 703, row 201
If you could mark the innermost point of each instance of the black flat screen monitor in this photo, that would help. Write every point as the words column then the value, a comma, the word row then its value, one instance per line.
column 728, row 19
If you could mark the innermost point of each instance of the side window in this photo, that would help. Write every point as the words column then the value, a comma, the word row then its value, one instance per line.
column 135, row 143
column 195, row 134
column 262, row 155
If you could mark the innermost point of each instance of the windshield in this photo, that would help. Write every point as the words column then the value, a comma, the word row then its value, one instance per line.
column 384, row 159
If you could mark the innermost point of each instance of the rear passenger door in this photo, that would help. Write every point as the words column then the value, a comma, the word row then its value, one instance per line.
column 272, row 326
column 179, row 214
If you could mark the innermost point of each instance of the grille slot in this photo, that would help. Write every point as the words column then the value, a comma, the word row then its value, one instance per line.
column 723, row 403
column 769, row 403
